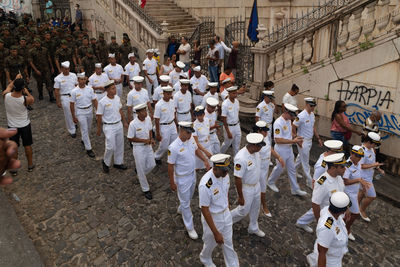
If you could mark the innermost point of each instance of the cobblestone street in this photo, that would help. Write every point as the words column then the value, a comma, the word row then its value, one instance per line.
column 78, row 216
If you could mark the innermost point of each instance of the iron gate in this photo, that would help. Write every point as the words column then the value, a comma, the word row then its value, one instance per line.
column 236, row 31
column 61, row 9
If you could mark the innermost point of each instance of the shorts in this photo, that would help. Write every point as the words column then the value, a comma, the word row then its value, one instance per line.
column 26, row 135
column 354, row 208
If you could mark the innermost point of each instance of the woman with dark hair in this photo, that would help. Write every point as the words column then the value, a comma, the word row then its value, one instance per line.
column 197, row 51
column 341, row 128
column 167, row 67
column 174, row 60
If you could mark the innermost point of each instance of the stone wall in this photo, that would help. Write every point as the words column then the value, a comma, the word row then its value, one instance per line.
column 270, row 12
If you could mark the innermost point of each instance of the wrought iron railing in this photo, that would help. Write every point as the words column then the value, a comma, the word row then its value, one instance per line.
column 146, row 17
column 290, row 26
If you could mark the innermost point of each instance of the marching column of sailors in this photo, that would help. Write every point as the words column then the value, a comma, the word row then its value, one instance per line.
column 187, row 126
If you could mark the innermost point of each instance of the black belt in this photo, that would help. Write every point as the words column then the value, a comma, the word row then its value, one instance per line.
column 98, row 92
column 212, row 132
column 233, row 124
column 85, row 107
column 166, row 123
column 184, row 112
column 151, row 74
column 66, row 94
column 112, row 123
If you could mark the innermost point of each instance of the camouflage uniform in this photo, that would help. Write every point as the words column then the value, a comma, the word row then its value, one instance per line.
column 124, row 51
column 39, row 56
column 88, row 63
column 102, row 51
column 15, row 65
column 66, row 54
column 4, row 52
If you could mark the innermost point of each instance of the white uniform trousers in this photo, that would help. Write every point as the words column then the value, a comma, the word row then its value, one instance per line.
column 306, row 218
column 144, row 161
column 235, row 141
column 67, row 114
column 331, row 261
column 303, row 158
column 184, row 117
column 149, row 86
column 168, row 134
column 85, row 123
column 264, row 174
column 114, row 134
column 252, row 201
column 186, row 186
column 119, row 90
column 287, row 155
column 223, row 223
column 215, row 144
column 199, row 163
column 197, row 99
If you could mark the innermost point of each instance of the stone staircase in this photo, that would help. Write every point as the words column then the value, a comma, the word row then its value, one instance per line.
column 247, row 106
column 180, row 22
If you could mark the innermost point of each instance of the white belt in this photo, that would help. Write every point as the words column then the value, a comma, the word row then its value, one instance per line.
column 250, row 185
column 139, row 144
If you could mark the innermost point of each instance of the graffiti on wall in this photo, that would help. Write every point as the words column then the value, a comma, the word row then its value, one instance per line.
column 366, row 95
column 389, row 123
column 19, row 6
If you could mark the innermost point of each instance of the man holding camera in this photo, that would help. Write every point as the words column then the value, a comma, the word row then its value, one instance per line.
column 16, row 100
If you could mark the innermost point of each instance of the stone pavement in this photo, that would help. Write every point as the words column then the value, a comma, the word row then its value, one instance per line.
column 78, row 216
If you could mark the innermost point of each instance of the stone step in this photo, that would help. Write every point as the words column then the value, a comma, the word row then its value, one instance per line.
column 247, row 112
column 246, row 101
column 178, row 22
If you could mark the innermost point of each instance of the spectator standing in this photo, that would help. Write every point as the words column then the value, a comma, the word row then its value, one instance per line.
column 78, row 16
column 16, row 100
column 172, row 47
column 212, row 58
column 232, row 59
column 197, row 51
column 184, row 53
column 290, row 97
column 49, row 9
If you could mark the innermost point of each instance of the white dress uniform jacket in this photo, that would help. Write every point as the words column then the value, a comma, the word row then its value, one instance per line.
column 165, row 111
column 214, row 141
column 353, row 172
column 98, row 81
column 115, row 72
column 200, row 84
column 202, row 131
column 230, row 110
column 183, row 104
column 150, row 65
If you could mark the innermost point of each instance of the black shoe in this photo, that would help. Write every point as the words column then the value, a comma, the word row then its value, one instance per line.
column 90, row 153
column 148, row 195
column 52, row 100
column 158, row 161
column 30, row 168
column 29, row 108
column 73, row 135
column 106, row 169
column 14, row 173
column 76, row 126
column 120, row 166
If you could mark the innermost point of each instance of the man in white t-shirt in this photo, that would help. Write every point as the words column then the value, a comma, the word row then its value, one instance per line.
column 16, row 99
column 150, row 70
column 290, row 97
column 115, row 72
column 132, row 69
column 97, row 81
column 184, row 53
column 199, row 84
column 137, row 96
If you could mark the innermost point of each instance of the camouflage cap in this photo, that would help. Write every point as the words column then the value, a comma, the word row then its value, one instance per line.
column 22, row 38
column 113, row 37
column 64, row 42
column 92, row 39
column 37, row 40
column 101, row 34
column 13, row 47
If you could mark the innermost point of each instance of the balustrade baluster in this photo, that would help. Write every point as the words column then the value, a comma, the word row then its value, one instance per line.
column 396, row 15
column 344, row 33
column 297, row 54
column 369, row 23
column 383, row 18
column 271, row 67
column 279, row 63
column 355, row 30
column 307, row 49
column 288, row 59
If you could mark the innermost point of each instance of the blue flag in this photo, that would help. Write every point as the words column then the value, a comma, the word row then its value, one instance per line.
column 253, row 24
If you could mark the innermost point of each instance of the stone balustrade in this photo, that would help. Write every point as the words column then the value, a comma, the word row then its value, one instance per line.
column 325, row 34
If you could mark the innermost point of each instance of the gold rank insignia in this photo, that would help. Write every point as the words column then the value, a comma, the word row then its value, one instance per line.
column 333, row 191
column 169, row 152
column 285, row 128
column 209, row 183
column 182, row 149
column 108, row 105
column 277, row 131
column 329, row 222
column 138, row 129
column 216, row 191
column 323, row 164
column 78, row 95
column 297, row 119
column 337, row 230
column 249, row 163
column 258, row 109
column 321, row 180
column 238, row 167
column 307, row 121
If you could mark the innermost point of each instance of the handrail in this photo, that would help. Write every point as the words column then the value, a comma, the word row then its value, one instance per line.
column 146, row 17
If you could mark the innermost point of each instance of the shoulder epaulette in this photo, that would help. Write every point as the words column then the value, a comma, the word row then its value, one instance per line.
column 323, row 164
column 209, row 183
column 329, row 222
column 349, row 163
column 321, row 180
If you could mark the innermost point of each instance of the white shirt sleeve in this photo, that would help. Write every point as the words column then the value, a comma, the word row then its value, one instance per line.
column 227, row 49
column 204, row 196
column 131, row 130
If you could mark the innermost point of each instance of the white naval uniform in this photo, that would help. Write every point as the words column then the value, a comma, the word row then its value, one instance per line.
column 266, row 113
column 247, row 168
column 224, row 95
column 136, row 97
column 150, row 65
column 214, row 141
column 174, row 76
column 320, row 167
column 231, row 112
column 324, row 187
column 206, row 96
column 353, row 172
column 83, row 99
column 200, row 84
column 115, row 72
column 165, row 111
column 177, row 87
column 183, row 104
column 202, row 131
column 112, row 128
column 66, row 84
column 132, row 71
column 98, row 81
column 213, row 193
column 283, row 129
column 368, row 174
column 265, row 155
column 158, row 93
column 143, row 153
column 182, row 156
column 331, row 234
column 305, row 128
